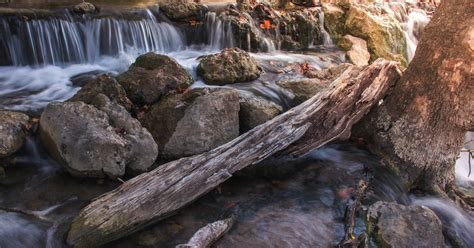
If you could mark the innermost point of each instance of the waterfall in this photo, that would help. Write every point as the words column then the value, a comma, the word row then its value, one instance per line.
column 326, row 38
column 416, row 22
column 219, row 31
column 65, row 39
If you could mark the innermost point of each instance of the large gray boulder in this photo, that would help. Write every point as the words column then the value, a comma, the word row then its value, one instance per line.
column 231, row 65
column 13, row 131
column 96, row 140
column 194, row 122
column 153, row 76
column 256, row 110
column 106, row 85
column 399, row 226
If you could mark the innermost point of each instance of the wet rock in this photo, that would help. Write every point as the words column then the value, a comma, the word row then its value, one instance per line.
column 319, row 80
column 256, row 110
column 182, row 10
column 13, row 131
column 153, row 76
column 356, row 50
column 106, row 85
column 96, row 140
column 231, row 65
column 385, row 38
column 194, row 122
column 85, row 8
column 395, row 225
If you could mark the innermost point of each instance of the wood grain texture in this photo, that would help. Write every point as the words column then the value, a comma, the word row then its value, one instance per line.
column 158, row 194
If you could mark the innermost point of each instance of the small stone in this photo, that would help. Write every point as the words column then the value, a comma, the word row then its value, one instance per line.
column 13, row 131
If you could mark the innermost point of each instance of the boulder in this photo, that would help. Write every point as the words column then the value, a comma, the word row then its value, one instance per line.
column 13, row 131
column 194, row 122
column 385, row 38
column 106, row 85
column 85, row 8
column 153, row 76
column 231, row 65
column 356, row 49
column 399, row 226
column 96, row 140
column 182, row 10
column 256, row 110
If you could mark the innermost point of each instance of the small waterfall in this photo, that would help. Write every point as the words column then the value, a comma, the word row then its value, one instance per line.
column 219, row 31
column 65, row 39
column 266, row 44
column 326, row 38
column 416, row 22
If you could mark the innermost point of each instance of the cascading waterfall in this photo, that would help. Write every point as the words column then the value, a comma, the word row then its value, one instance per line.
column 219, row 31
column 416, row 21
column 66, row 39
column 326, row 38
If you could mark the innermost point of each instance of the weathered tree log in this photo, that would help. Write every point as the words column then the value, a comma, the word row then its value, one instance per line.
column 156, row 195
column 420, row 128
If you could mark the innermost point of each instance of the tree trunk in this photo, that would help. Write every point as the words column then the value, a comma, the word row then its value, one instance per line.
column 420, row 127
column 158, row 194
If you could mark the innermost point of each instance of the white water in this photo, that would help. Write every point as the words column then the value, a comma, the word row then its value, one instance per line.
column 462, row 164
column 416, row 21
column 327, row 41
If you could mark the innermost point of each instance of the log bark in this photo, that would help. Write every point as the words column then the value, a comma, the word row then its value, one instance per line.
column 420, row 128
column 158, row 194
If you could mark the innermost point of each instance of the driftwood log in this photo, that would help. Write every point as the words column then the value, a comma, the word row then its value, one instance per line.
column 209, row 234
column 155, row 195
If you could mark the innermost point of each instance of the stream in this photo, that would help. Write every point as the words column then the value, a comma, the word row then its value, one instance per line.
column 280, row 202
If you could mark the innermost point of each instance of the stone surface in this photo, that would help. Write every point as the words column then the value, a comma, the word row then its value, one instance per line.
column 153, row 76
column 256, row 110
column 399, row 226
column 106, row 85
column 96, row 140
column 356, row 48
column 231, row 65
column 13, row 131
column 194, row 122
column 85, row 8
column 182, row 10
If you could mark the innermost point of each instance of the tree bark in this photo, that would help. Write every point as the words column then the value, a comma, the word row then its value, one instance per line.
column 420, row 128
column 156, row 195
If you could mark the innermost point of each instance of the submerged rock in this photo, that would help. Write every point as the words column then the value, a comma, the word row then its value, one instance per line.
column 356, row 50
column 399, row 226
column 106, row 85
column 96, row 140
column 231, row 65
column 318, row 81
column 256, row 110
column 153, row 76
column 13, row 131
column 182, row 10
column 194, row 122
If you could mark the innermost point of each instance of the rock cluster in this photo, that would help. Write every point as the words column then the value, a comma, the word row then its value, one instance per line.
column 182, row 10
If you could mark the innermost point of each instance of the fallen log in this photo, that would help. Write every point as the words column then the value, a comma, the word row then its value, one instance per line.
column 158, row 194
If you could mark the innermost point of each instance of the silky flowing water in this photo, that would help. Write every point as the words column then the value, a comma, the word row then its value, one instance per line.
column 281, row 202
